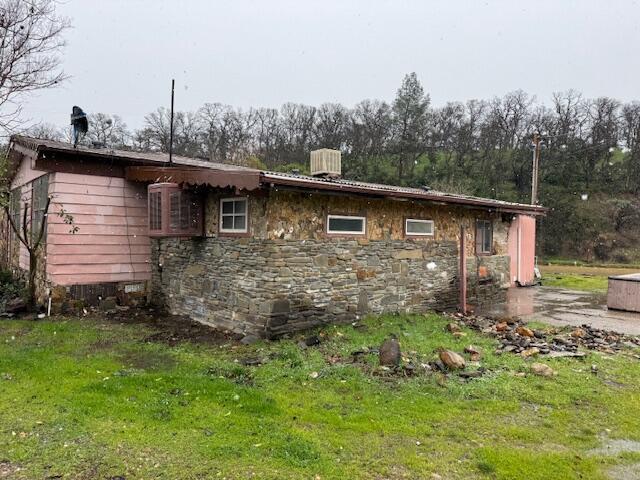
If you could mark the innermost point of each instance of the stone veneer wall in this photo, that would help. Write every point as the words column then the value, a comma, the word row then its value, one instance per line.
column 271, row 287
column 286, row 215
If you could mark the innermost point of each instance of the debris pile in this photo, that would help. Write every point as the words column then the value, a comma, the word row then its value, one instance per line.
column 516, row 337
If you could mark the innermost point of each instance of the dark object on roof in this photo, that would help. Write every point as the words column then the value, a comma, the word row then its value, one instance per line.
column 80, row 124
column 154, row 167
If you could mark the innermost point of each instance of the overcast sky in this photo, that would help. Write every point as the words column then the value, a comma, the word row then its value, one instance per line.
column 122, row 54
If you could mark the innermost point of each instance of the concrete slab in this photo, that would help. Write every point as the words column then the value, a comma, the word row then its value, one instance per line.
column 562, row 307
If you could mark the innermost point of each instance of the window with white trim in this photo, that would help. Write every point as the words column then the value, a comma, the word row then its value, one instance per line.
column 346, row 224
column 233, row 215
column 418, row 227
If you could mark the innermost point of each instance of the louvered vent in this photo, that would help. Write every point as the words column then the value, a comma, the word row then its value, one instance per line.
column 326, row 163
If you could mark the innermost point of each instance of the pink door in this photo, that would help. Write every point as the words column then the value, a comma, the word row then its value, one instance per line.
column 522, row 249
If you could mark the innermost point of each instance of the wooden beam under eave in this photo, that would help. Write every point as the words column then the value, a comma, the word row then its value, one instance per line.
column 240, row 180
column 83, row 166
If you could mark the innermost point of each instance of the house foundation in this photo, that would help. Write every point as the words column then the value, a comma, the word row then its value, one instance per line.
column 273, row 287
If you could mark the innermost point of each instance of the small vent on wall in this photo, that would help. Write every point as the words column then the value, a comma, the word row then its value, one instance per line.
column 326, row 163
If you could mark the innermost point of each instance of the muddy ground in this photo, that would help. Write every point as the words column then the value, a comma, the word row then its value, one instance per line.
column 173, row 329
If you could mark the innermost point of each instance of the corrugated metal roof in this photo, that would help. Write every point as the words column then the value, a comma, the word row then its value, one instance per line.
column 41, row 145
column 340, row 184
column 269, row 178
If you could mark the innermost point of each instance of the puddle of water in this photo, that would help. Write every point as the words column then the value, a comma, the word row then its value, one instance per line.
column 612, row 448
column 564, row 307
column 615, row 447
column 625, row 472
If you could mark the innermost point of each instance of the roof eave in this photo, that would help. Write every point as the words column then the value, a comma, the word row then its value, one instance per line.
column 537, row 210
column 240, row 180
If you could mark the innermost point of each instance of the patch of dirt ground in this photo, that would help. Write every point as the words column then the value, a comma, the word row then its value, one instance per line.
column 8, row 469
column 173, row 329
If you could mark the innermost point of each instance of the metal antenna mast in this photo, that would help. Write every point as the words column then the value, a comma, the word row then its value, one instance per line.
column 535, row 169
column 173, row 84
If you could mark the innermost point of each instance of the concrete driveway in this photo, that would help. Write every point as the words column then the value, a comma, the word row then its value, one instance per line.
column 557, row 306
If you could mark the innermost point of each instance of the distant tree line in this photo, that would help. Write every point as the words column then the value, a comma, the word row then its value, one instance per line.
column 591, row 147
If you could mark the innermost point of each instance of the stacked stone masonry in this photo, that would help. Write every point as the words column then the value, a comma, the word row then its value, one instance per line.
column 271, row 287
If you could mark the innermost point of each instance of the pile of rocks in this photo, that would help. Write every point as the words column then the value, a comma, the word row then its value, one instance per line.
column 515, row 336
column 12, row 307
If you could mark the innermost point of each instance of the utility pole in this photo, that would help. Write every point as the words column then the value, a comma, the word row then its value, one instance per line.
column 173, row 84
column 535, row 169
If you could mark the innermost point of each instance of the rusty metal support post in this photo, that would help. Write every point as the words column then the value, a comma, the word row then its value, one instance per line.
column 535, row 170
column 463, row 271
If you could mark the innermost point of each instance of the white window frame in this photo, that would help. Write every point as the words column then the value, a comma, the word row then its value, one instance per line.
column 347, row 217
column 418, row 234
column 233, row 215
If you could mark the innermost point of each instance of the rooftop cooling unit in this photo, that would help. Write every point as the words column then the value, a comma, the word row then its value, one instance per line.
column 326, row 163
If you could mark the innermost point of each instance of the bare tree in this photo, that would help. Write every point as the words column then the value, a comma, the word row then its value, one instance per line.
column 603, row 138
column 266, row 133
column 631, row 135
column 46, row 131
column 226, row 132
column 108, row 130
column 370, row 129
column 330, row 128
column 156, row 133
column 297, row 124
column 447, row 123
column 30, row 41
column 30, row 231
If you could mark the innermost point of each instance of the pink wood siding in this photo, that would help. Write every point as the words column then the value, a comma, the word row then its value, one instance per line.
column 25, row 174
column 23, row 178
column 111, row 244
column 522, row 249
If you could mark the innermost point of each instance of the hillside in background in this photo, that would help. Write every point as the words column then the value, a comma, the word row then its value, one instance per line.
column 596, row 224
column 589, row 167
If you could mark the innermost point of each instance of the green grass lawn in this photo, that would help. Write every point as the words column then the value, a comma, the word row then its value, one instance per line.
column 85, row 399
column 592, row 278
column 591, row 283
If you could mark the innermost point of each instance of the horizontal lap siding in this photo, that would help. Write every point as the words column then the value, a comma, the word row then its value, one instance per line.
column 99, row 229
column 82, row 279
column 94, row 239
column 70, row 250
column 111, row 243
column 23, row 178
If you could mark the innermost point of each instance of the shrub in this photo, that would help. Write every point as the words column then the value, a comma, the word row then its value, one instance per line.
column 10, row 287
